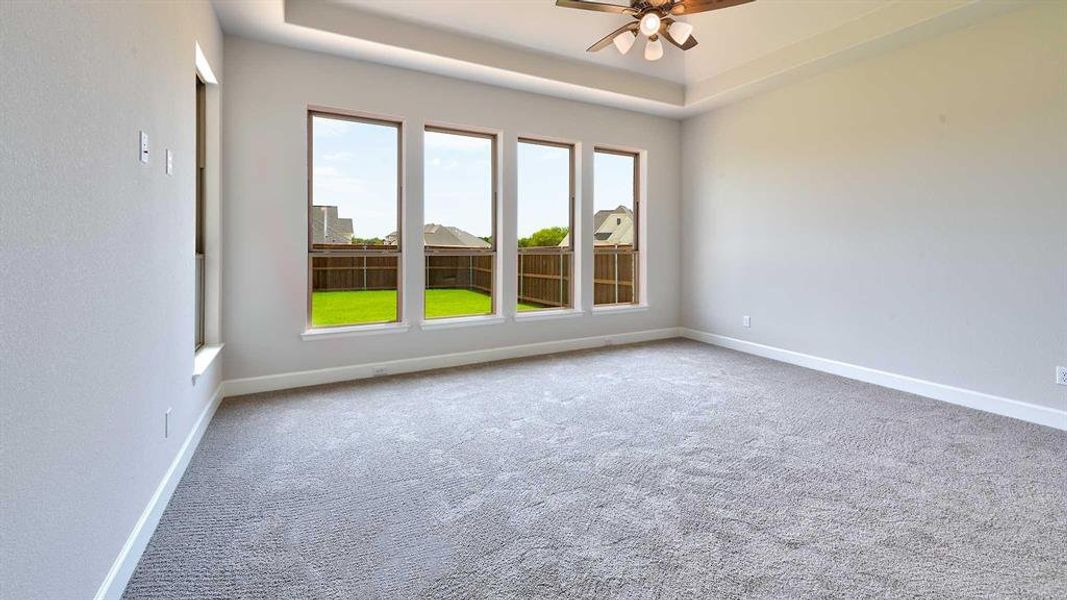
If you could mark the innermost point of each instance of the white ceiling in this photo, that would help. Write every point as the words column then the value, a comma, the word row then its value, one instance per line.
column 535, row 46
column 734, row 36
column 534, row 24
column 728, row 37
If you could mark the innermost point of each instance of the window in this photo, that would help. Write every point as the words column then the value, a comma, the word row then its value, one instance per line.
column 545, row 222
column 354, row 245
column 615, row 228
column 198, row 244
column 460, row 223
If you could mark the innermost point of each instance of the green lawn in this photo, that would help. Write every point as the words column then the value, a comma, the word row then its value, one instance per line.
column 377, row 306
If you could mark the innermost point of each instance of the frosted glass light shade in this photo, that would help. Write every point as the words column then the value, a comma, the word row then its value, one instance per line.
column 650, row 24
column 680, row 31
column 624, row 41
column 653, row 49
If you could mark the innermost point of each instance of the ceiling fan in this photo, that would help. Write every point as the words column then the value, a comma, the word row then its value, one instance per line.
column 653, row 19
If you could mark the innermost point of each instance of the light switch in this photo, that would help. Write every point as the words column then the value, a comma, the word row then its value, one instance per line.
column 144, row 147
column 170, row 162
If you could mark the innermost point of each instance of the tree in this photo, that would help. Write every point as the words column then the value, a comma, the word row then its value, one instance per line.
column 367, row 241
column 549, row 236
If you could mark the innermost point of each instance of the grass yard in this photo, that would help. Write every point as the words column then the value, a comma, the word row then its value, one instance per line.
column 377, row 306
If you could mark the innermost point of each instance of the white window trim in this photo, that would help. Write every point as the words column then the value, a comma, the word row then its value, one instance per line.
column 456, row 322
column 610, row 309
column 204, row 358
column 549, row 314
column 326, row 333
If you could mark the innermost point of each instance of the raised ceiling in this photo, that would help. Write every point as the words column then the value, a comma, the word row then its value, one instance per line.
column 533, row 24
column 535, row 46
column 728, row 37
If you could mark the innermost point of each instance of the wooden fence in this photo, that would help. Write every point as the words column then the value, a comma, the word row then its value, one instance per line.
column 544, row 274
column 354, row 272
column 614, row 274
column 468, row 271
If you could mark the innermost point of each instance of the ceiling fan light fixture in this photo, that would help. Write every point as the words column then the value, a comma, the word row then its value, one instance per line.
column 650, row 23
column 624, row 41
column 653, row 49
column 680, row 31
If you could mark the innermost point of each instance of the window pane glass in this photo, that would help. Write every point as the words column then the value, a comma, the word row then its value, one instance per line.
column 354, row 217
column 544, row 218
column 354, row 183
column 615, row 240
column 459, row 225
column 201, row 163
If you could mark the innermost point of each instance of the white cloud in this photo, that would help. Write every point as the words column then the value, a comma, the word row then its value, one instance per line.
column 332, row 185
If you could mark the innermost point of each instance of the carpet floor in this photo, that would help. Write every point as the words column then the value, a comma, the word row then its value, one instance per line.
column 664, row 470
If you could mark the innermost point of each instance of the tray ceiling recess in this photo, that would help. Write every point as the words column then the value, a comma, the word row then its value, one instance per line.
column 745, row 46
column 654, row 20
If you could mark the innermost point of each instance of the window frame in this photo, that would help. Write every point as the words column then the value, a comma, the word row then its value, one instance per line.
column 494, row 250
column 638, row 242
column 572, row 149
column 199, row 253
column 371, row 119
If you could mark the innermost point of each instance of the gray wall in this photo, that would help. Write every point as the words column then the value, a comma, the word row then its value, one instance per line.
column 905, row 213
column 97, row 278
column 268, row 90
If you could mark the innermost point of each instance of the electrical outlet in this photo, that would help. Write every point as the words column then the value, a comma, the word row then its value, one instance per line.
column 746, row 321
column 166, row 424
column 379, row 372
column 1061, row 375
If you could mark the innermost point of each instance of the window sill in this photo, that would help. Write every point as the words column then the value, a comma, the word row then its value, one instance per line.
column 543, row 315
column 203, row 359
column 326, row 333
column 619, row 308
column 451, row 323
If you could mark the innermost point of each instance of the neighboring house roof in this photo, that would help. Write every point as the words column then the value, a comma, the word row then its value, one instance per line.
column 445, row 235
column 601, row 215
column 327, row 228
column 611, row 227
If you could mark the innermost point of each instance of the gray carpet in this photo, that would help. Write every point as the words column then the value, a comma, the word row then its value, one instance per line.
column 662, row 470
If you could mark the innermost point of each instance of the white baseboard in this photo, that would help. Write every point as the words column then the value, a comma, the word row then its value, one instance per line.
column 268, row 383
column 122, row 569
column 1042, row 415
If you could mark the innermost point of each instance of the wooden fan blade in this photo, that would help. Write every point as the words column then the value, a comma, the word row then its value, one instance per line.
column 689, row 7
column 606, row 41
column 597, row 6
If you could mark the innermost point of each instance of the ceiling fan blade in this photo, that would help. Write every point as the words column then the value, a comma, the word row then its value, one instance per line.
column 606, row 41
column 664, row 31
column 597, row 6
column 689, row 7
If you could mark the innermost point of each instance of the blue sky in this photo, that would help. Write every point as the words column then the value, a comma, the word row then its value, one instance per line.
column 613, row 181
column 355, row 165
column 458, row 184
column 544, row 187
